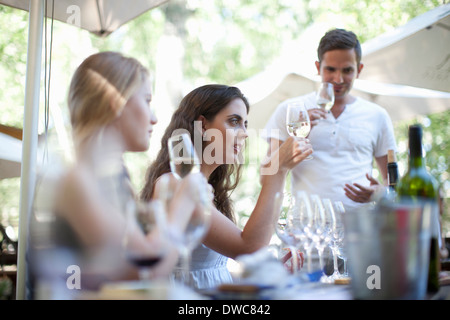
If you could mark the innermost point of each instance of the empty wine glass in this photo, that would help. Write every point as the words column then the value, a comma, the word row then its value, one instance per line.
column 183, row 161
column 305, row 232
column 325, row 96
column 341, row 252
column 298, row 123
column 144, row 241
column 287, row 225
column 321, row 228
column 336, row 229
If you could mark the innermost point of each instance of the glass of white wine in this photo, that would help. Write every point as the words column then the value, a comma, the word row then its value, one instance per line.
column 298, row 123
column 325, row 96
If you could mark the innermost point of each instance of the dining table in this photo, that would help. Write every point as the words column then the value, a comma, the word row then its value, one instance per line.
column 293, row 288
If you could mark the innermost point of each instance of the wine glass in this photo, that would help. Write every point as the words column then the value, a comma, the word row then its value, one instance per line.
column 325, row 96
column 298, row 123
column 321, row 228
column 336, row 229
column 304, row 231
column 144, row 241
column 340, row 212
column 183, row 161
column 287, row 225
column 183, row 158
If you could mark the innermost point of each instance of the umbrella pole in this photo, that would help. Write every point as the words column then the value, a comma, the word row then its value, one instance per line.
column 30, row 135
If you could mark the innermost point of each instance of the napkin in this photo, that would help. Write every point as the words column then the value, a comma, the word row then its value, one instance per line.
column 262, row 268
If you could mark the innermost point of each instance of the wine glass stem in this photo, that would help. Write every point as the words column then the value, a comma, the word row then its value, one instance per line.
column 345, row 267
column 320, row 252
column 295, row 263
column 309, row 262
column 335, row 261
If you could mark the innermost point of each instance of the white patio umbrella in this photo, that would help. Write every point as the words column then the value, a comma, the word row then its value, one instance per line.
column 98, row 16
column 416, row 54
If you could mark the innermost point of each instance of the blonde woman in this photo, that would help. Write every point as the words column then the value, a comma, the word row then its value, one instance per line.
column 109, row 102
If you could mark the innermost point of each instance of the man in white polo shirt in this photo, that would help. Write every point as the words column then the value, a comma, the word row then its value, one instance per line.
column 344, row 141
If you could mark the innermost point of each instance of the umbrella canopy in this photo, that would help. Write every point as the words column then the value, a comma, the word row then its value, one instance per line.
column 10, row 156
column 416, row 54
column 97, row 16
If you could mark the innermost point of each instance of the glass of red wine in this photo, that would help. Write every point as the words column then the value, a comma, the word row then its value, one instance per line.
column 144, row 242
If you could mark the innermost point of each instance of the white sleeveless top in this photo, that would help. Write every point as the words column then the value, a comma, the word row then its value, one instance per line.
column 208, row 269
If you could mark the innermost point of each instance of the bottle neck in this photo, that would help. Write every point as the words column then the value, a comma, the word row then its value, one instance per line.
column 415, row 149
column 392, row 174
column 416, row 162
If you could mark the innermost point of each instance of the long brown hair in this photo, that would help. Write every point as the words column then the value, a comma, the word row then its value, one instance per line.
column 206, row 101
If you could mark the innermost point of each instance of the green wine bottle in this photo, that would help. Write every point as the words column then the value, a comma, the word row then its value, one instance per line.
column 418, row 184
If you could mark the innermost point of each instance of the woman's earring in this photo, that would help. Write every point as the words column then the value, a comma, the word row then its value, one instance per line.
column 204, row 135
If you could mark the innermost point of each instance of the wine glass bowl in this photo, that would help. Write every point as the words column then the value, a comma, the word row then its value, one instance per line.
column 298, row 123
column 144, row 242
column 325, row 96
column 183, row 158
column 297, row 120
column 286, row 226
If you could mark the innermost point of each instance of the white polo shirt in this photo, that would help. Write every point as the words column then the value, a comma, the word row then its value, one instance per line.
column 344, row 148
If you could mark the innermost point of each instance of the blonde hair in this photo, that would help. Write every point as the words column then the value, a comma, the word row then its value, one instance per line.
column 99, row 90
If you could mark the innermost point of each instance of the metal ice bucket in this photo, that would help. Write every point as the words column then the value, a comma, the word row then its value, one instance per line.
column 388, row 250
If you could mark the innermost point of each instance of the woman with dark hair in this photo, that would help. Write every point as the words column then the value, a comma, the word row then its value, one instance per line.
column 218, row 114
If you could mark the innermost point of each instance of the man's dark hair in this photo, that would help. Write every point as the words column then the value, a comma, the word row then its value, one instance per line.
column 339, row 39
